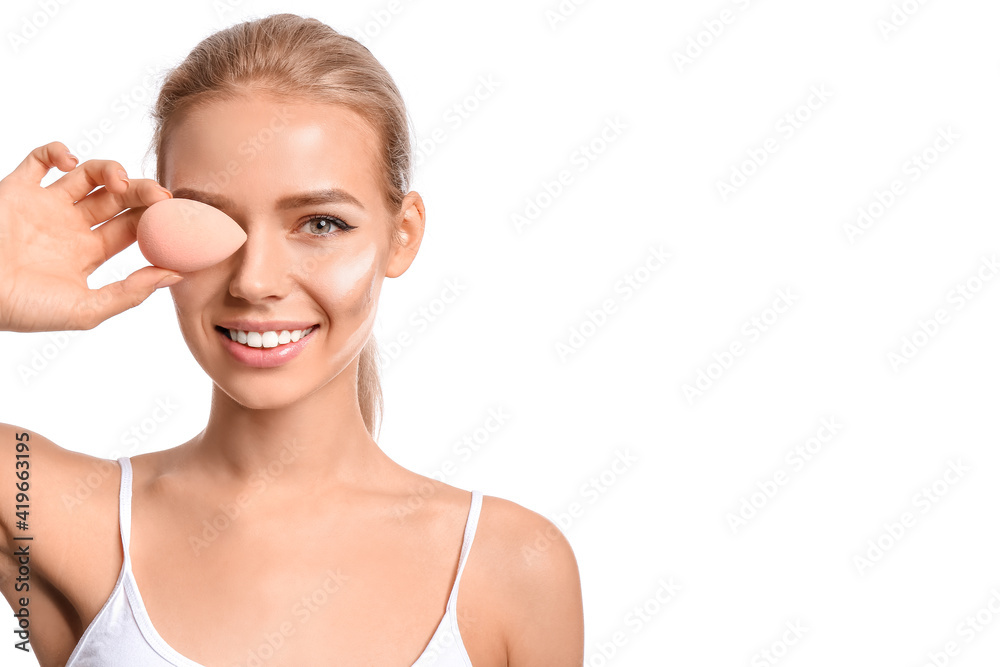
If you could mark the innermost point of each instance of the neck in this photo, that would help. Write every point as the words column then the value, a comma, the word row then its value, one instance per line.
column 316, row 444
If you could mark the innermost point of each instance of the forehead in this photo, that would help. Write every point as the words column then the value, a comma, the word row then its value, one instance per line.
column 257, row 149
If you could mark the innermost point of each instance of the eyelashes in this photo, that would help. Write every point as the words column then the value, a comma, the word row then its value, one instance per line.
column 330, row 221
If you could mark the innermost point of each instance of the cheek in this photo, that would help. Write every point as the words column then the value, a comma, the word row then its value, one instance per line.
column 191, row 294
column 183, row 295
column 192, row 297
column 350, row 283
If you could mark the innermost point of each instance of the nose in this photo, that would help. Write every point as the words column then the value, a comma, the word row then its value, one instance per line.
column 262, row 267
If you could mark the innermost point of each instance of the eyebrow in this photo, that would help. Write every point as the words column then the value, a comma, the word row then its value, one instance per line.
column 327, row 196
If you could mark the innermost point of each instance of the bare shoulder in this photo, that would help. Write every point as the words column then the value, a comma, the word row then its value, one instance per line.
column 537, row 584
column 67, row 498
column 520, row 597
column 68, row 512
column 540, row 545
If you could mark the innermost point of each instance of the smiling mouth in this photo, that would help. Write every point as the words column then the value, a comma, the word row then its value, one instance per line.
column 266, row 340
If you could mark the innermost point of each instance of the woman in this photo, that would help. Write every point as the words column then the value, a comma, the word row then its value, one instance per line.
column 281, row 534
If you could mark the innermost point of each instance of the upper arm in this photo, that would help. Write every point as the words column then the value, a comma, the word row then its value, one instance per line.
column 67, row 508
column 544, row 614
column 50, row 486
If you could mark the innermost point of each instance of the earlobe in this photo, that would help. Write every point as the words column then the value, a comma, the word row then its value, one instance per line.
column 407, row 240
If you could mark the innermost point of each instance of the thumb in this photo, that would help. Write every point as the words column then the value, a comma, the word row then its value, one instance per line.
column 115, row 298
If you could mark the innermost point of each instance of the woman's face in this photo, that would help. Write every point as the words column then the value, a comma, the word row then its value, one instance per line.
column 301, row 180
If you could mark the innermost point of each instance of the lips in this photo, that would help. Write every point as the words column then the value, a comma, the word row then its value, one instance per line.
column 260, row 357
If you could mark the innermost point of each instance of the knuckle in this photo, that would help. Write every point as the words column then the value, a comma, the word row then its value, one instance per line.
column 134, row 300
column 92, row 166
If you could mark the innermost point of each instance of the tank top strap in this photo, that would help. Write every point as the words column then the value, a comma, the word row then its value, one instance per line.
column 470, row 533
column 125, row 504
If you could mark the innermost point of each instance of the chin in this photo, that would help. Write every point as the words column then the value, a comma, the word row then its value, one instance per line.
column 258, row 395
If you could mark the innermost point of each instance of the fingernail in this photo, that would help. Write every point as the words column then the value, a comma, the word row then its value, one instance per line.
column 73, row 158
column 171, row 194
column 167, row 281
column 123, row 175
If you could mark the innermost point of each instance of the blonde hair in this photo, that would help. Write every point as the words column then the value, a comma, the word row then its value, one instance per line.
column 286, row 56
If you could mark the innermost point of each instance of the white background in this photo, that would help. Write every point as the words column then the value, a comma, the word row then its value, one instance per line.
column 686, row 127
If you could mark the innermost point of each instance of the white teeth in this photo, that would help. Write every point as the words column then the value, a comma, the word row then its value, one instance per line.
column 267, row 338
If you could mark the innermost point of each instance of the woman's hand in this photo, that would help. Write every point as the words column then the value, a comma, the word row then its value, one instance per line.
column 47, row 247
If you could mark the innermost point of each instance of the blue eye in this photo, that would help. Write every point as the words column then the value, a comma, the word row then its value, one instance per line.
column 330, row 223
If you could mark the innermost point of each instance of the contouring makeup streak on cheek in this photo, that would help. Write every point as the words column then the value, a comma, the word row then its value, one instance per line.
column 351, row 283
column 351, row 286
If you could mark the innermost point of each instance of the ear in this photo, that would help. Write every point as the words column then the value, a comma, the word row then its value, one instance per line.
column 410, row 222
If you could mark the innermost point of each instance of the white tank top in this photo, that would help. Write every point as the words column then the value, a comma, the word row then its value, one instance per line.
column 121, row 635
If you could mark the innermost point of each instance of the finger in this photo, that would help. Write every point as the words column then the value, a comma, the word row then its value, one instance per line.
column 114, row 298
column 78, row 183
column 42, row 159
column 102, row 204
column 119, row 232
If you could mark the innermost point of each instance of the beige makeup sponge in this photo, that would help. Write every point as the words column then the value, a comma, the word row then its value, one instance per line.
column 187, row 235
